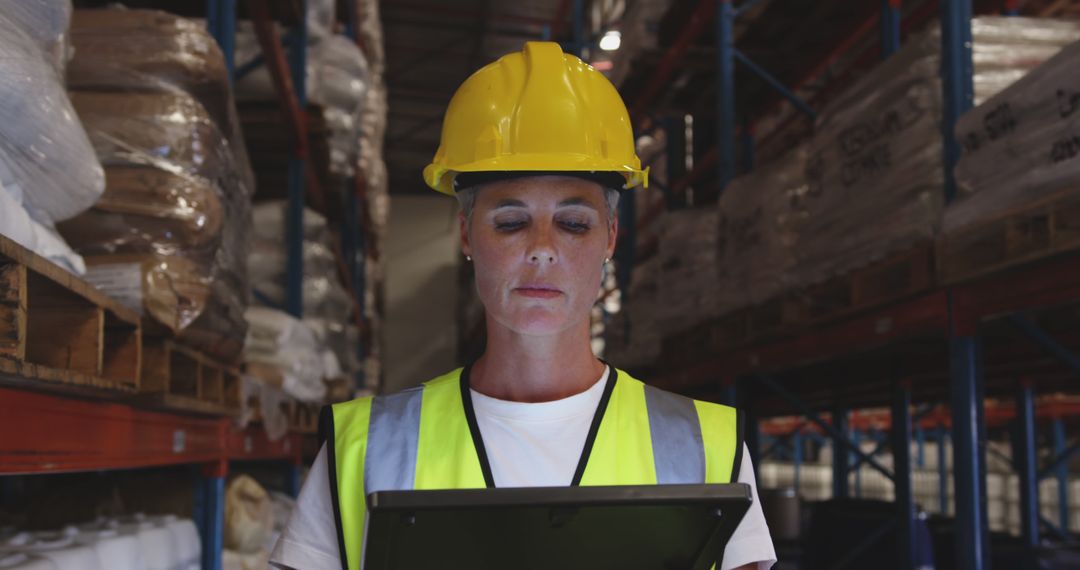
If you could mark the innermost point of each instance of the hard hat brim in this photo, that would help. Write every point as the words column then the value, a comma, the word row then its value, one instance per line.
column 442, row 179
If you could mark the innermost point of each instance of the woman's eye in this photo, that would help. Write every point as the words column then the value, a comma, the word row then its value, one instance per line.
column 509, row 226
column 577, row 226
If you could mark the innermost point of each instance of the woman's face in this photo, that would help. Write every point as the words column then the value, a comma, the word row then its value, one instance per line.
column 538, row 245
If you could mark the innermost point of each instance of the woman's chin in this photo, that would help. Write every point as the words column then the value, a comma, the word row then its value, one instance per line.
column 537, row 321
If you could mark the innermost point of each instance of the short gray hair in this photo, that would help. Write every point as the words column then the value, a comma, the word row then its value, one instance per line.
column 467, row 200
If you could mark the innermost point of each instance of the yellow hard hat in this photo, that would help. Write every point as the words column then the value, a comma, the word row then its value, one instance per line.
column 539, row 110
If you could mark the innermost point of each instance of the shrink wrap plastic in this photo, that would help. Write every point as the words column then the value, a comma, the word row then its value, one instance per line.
column 1022, row 145
column 869, row 181
column 872, row 173
column 152, row 91
column 688, row 264
column 282, row 342
column 758, row 221
column 327, row 305
column 46, row 22
column 633, row 338
column 46, row 161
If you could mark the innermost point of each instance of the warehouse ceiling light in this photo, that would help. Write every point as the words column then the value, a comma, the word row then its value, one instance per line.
column 611, row 40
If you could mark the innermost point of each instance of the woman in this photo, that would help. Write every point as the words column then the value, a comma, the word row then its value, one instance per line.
column 535, row 147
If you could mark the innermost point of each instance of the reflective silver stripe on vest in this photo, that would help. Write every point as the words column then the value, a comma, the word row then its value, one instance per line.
column 678, row 450
column 393, row 438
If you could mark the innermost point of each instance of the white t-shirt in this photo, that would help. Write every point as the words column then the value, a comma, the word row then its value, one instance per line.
column 528, row 445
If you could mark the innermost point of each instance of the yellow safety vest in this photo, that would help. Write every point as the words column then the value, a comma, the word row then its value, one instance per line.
column 427, row 438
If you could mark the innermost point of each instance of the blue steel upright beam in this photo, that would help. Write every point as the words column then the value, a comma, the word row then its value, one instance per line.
column 905, row 502
column 1061, row 474
column 969, row 463
column 294, row 216
column 957, row 80
column 221, row 23
column 841, row 459
column 1026, row 465
column 579, row 27
column 890, row 27
column 209, row 513
column 725, row 93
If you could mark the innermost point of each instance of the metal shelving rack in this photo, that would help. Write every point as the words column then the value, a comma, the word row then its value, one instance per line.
column 42, row 433
column 953, row 317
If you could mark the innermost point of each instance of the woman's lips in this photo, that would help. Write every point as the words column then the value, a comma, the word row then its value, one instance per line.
column 538, row 292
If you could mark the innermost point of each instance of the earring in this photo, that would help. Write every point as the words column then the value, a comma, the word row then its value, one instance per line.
column 607, row 260
column 468, row 258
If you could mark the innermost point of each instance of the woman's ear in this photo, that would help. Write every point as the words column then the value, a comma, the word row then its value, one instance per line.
column 613, row 236
column 463, row 226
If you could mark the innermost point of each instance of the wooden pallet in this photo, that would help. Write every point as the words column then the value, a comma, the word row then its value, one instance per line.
column 893, row 278
column 58, row 332
column 1046, row 228
column 180, row 378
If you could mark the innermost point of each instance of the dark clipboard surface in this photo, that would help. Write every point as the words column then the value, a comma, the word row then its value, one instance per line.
column 648, row 527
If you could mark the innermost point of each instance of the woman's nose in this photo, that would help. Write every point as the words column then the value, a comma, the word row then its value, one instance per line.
column 542, row 248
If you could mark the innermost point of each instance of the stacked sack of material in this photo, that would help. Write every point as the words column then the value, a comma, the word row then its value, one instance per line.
column 875, row 172
column 169, row 235
column 1022, row 146
column 254, row 518
column 327, row 307
column 686, row 292
column 632, row 337
column 336, row 83
column 48, row 169
column 283, row 351
column 757, row 215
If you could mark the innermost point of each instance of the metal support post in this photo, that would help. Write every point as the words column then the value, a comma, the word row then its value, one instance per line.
column 890, row 27
column 221, row 23
column 901, row 448
column 579, row 28
column 1025, row 458
column 856, row 443
column 920, row 446
column 969, row 462
column 943, row 471
column 209, row 512
column 1037, row 335
column 775, row 83
column 957, row 80
column 797, row 456
column 725, row 93
column 1061, row 474
column 840, row 456
column 294, row 224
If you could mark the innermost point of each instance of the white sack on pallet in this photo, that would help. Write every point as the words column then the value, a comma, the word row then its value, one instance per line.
column 16, row 224
column 46, row 22
column 279, row 340
column 46, row 160
column 688, row 264
column 1022, row 144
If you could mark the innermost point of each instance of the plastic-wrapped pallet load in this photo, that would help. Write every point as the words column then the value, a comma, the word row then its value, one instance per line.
column 48, row 170
column 1021, row 146
column 46, row 22
column 874, row 173
column 288, row 346
column 327, row 306
column 170, row 234
column 688, row 263
column 633, row 338
column 758, row 215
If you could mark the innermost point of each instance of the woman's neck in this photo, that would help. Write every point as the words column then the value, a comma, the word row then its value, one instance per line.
column 523, row 368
